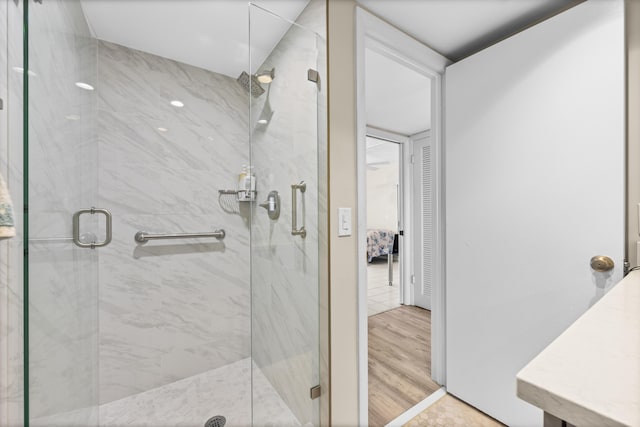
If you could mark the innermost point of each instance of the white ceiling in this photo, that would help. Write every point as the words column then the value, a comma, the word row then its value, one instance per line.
column 210, row 34
column 458, row 28
column 398, row 99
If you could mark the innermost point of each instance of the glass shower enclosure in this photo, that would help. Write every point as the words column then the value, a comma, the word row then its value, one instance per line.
column 173, row 208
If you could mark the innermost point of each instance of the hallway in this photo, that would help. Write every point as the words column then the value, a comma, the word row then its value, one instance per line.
column 399, row 362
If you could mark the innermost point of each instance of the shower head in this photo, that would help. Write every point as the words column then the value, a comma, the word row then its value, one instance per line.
column 267, row 76
column 250, row 84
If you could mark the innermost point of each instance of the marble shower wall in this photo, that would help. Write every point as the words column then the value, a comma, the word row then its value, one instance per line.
column 170, row 309
column 4, row 318
column 11, row 251
column 285, row 268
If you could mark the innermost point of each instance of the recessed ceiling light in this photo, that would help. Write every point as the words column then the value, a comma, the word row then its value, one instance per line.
column 177, row 103
column 72, row 117
column 210, row 138
column 263, row 121
column 21, row 70
column 85, row 86
column 163, row 129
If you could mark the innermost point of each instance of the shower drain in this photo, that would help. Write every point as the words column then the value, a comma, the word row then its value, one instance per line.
column 217, row 421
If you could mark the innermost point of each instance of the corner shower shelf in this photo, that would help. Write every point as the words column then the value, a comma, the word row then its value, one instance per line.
column 252, row 198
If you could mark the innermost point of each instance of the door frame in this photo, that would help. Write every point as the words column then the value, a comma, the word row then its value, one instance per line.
column 405, row 264
column 375, row 34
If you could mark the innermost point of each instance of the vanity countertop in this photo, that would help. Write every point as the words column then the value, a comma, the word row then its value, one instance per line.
column 590, row 375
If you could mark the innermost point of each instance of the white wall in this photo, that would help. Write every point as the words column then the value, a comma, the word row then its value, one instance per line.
column 382, row 193
column 383, row 176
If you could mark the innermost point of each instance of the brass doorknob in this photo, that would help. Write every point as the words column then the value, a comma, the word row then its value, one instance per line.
column 602, row 263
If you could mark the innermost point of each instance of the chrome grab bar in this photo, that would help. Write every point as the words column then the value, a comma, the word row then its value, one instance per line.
column 295, row 231
column 76, row 228
column 143, row 236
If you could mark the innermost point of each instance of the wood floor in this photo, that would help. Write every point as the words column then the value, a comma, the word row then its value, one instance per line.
column 399, row 362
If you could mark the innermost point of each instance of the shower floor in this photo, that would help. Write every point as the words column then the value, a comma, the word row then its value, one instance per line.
column 190, row 402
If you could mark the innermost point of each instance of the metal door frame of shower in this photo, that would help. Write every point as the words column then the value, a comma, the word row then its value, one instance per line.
column 375, row 34
column 25, row 215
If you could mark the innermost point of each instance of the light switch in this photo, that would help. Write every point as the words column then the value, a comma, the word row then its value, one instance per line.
column 344, row 221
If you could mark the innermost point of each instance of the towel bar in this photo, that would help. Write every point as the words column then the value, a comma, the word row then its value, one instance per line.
column 143, row 236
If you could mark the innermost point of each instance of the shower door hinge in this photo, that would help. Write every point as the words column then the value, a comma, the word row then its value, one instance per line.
column 413, row 279
column 313, row 75
column 413, row 159
column 1, row 104
column 314, row 392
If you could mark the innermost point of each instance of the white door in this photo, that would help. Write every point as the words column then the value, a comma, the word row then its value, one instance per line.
column 534, row 189
column 424, row 197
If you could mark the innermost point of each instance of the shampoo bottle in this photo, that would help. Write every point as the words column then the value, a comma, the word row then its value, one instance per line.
column 250, row 183
column 242, row 177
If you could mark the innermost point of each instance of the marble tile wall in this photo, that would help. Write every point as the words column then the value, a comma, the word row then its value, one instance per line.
column 170, row 309
column 4, row 319
column 285, row 274
column 4, row 84
column 12, row 389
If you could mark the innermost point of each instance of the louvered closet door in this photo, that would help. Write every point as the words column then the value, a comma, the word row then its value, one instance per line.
column 424, row 196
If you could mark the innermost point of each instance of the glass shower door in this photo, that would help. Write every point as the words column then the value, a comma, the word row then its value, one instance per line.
column 61, row 179
column 137, row 332
column 284, row 226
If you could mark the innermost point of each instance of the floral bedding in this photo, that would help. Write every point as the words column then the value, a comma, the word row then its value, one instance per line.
column 379, row 242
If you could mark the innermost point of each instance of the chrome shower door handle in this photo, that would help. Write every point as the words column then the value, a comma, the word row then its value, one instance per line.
column 295, row 231
column 76, row 228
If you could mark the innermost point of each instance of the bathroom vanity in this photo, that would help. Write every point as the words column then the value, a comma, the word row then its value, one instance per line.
column 590, row 375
